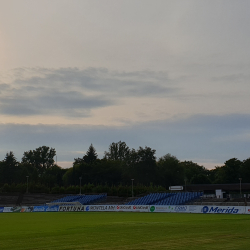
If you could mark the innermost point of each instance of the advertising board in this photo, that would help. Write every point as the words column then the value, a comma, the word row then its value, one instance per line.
column 76, row 208
column 54, row 208
column 140, row 208
column 132, row 208
column 117, row 208
column 160, row 209
column 101, row 208
column 223, row 209
column 26, row 209
column 7, row 210
column 247, row 211
column 12, row 209
column 124, row 208
column 40, row 208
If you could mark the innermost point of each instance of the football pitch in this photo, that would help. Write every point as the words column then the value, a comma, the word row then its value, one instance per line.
column 123, row 230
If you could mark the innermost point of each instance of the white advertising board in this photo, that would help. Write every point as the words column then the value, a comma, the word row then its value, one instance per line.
column 247, row 211
column 200, row 209
column 17, row 209
column 223, row 209
column 140, row 208
column 8, row 209
column 117, row 208
column 124, row 208
column 175, row 209
column 100, row 208
column 75, row 208
column 176, row 188
column 160, row 209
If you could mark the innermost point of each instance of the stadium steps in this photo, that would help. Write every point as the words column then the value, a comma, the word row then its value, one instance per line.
column 8, row 199
column 39, row 199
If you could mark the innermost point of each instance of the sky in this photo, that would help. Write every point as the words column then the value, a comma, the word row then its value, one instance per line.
column 170, row 75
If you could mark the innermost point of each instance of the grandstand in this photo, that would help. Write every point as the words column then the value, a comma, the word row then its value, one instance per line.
column 80, row 199
column 167, row 198
column 18, row 199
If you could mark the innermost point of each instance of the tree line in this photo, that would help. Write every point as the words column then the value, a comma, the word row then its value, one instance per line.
column 114, row 171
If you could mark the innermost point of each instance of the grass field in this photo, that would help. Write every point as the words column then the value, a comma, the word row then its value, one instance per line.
column 108, row 230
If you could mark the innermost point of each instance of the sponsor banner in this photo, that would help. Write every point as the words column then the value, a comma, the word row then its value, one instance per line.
column 101, row 208
column 247, row 210
column 140, row 208
column 40, row 208
column 194, row 209
column 124, row 208
column 186, row 209
column 1, row 209
column 54, row 208
column 76, row 208
column 7, row 210
column 117, row 208
column 223, row 209
column 17, row 209
column 161, row 209
column 14, row 209
column 181, row 209
column 26, row 209
column 132, row 208
column 175, row 209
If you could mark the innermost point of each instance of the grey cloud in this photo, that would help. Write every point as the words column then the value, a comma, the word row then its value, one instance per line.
column 62, row 103
column 232, row 78
column 194, row 137
column 99, row 79
column 71, row 91
column 4, row 86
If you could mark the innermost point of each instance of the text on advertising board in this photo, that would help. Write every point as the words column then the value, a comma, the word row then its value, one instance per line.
column 229, row 210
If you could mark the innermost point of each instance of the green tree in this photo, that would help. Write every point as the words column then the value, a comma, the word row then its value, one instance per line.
column 91, row 155
column 169, row 171
column 200, row 179
column 245, row 170
column 232, row 170
column 142, row 165
column 8, row 168
column 41, row 158
column 117, row 151
column 192, row 169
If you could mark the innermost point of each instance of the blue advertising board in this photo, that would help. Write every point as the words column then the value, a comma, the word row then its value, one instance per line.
column 54, row 208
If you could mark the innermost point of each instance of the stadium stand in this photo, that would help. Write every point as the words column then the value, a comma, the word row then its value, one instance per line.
column 83, row 199
column 167, row 198
column 17, row 199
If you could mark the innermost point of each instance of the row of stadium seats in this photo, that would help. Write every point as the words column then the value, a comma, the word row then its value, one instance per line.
column 166, row 198
column 150, row 199
column 83, row 199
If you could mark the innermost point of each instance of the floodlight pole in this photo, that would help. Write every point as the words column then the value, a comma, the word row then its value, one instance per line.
column 240, row 186
column 27, row 184
column 132, row 188
column 80, row 185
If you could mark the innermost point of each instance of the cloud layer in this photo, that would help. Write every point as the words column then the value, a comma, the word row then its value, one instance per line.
column 73, row 92
column 208, row 140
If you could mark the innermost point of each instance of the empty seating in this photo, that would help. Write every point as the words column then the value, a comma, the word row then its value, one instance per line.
column 166, row 198
column 83, row 199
